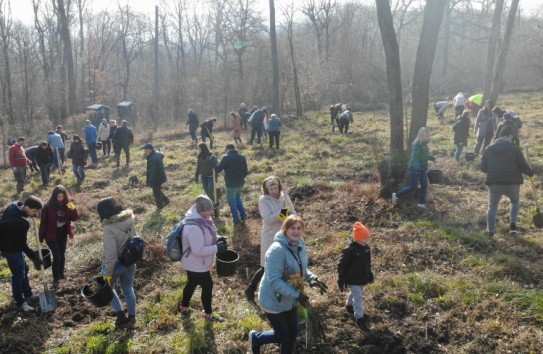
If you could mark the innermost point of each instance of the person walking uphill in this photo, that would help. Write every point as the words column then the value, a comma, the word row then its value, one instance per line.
column 285, row 259
column 119, row 226
column 236, row 127
column 235, row 169
column 344, row 120
column 418, row 167
column 56, row 226
column 274, row 130
column 204, row 169
column 200, row 244
column 104, row 130
column 504, row 165
column 461, row 133
column 79, row 154
column 18, row 162
column 123, row 138
column 91, row 134
column 14, row 227
column 274, row 207
column 335, row 110
column 156, row 175
column 354, row 271
column 44, row 159
column 193, row 124
column 484, row 127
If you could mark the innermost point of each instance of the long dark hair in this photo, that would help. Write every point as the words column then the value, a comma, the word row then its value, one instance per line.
column 108, row 207
column 204, row 151
column 60, row 189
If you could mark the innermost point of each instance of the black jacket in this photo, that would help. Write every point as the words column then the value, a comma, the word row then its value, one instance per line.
column 504, row 163
column 44, row 156
column 156, row 175
column 193, row 121
column 13, row 229
column 123, row 136
column 505, row 123
column 354, row 266
column 235, row 169
column 461, row 130
column 79, row 154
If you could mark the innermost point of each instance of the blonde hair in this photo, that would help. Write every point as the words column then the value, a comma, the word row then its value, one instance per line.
column 423, row 136
column 290, row 221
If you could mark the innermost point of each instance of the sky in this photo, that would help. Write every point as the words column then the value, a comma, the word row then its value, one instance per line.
column 22, row 9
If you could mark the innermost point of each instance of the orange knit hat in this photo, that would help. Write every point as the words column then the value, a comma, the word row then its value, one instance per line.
column 360, row 232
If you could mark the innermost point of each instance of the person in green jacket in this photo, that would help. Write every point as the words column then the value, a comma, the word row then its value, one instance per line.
column 156, row 175
column 418, row 167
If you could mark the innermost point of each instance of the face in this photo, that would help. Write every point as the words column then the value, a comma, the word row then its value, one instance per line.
column 32, row 212
column 60, row 197
column 147, row 152
column 206, row 214
column 488, row 106
column 274, row 191
column 295, row 232
column 363, row 242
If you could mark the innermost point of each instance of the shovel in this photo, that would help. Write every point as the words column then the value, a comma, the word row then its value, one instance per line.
column 215, row 201
column 538, row 217
column 48, row 299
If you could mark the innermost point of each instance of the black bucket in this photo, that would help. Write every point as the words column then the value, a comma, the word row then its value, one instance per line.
column 98, row 292
column 469, row 156
column 46, row 256
column 435, row 176
column 227, row 263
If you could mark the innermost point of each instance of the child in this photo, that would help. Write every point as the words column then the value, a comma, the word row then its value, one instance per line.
column 354, row 270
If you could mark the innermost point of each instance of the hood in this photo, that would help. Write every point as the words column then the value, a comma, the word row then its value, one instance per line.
column 14, row 210
column 501, row 146
column 193, row 214
column 124, row 220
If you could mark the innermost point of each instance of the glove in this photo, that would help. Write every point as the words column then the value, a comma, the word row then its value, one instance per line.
column 222, row 239
column 283, row 214
column 107, row 279
column 303, row 300
column 70, row 206
column 341, row 285
column 371, row 278
column 222, row 247
column 316, row 282
column 532, row 179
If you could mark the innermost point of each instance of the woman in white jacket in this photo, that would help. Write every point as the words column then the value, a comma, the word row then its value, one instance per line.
column 274, row 207
column 104, row 130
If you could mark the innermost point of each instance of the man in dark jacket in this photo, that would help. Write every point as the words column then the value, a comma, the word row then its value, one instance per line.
column 257, row 124
column 30, row 153
column 243, row 114
column 504, row 165
column 206, row 131
column 156, row 175
column 79, row 154
column 45, row 159
column 234, row 165
column 123, row 138
column 193, row 124
column 13, row 237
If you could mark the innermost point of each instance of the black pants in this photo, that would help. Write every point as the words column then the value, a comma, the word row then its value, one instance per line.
column 256, row 130
column 58, row 250
column 343, row 126
column 274, row 135
column 126, row 150
column 160, row 199
column 106, row 146
column 205, row 281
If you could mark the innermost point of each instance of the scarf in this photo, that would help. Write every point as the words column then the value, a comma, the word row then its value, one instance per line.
column 210, row 226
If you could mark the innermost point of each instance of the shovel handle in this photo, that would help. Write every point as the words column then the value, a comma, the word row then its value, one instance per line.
column 534, row 191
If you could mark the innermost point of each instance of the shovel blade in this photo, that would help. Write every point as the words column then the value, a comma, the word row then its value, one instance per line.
column 48, row 301
column 538, row 219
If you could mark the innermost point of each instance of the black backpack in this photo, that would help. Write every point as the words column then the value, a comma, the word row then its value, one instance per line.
column 133, row 251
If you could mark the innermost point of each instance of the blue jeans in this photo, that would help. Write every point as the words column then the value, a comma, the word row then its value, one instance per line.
column 284, row 332
column 20, row 287
column 207, row 183
column 58, row 251
column 92, row 151
column 233, row 196
column 414, row 177
column 495, row 193
column 79, row 172
column 126, row 276
column 45, row 171
column 356, row 300
column 458, row 152
column 205, row 135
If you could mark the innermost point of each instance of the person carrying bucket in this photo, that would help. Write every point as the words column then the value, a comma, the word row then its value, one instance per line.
column 14, row 226
column 418, row 167
column 200, row 244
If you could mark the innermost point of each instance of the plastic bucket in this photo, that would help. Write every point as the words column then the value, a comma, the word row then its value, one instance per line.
column 435, row 176
column 469, row 156
column 97, row 292
column 227, row 263
column 46, row 256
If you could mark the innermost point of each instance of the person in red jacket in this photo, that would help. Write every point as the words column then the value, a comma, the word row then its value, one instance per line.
column 18, row 162
column 56, row 226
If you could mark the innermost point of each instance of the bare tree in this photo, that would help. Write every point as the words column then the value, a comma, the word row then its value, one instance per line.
column 288, row 14
column 275, row 60
column 5, row 34
column 65, row 25
column 492, row 48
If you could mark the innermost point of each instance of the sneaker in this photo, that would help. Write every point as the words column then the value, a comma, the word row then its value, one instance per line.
column 490, row 233
column 214, row 317
column 249, row 294
column 421, row 205
column 32, row 298
column 349, row 309
column 187, row 312
column 361, row 323
column 394, row 198
column 25, row 307
column 121, row 319
column 253, row 349
column 513, row 228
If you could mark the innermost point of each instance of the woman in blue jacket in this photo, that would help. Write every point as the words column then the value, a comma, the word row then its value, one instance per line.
column 286, row 257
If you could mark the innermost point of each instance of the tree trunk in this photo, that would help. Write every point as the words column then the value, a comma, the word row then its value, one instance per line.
column 392, row 172
column 497, row 82
column 5, row 27
column 72, row 104
column 492, row 48
column 157, row 93
column 444, row 80
column 275, row 61
column 431, row 23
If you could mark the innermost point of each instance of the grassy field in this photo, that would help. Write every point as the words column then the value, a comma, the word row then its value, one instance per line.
column 441, row 285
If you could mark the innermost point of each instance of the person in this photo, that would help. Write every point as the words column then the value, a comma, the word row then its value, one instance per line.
column 30, row 153
column 286, row 257
column 274, row 130
column 14, row 227
column 204, row 169
column 104, row 130
column 18, row 162
column 193, row 124
column 156, row 175
column 236, row 127
column 235, row 169
column 504, row 165
column 500, row 116
column 206, row 131
column 112, row 129
column 123, row 139
column 56, row 226
column 44, row 159
column 440, row 108
column 354, row 271
column 274, row 207
column 257, row 123
column 484, row 126
column 91, row 135
column 335, row 109
column 201, row 243
column 79, row 154
column 459, row 103
column 461, row 133
column 119, row 225
column 418, row 167
column 474, row 103
column 64, row 137
column 55, row 142
column 508, row 118
column 344, row 120
column 243, row 115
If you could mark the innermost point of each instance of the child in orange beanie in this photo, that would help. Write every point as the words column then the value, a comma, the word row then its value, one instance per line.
column 354, row 271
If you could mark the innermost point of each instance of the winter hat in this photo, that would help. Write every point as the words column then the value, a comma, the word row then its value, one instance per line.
column 360, row 232
column 203, row 203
